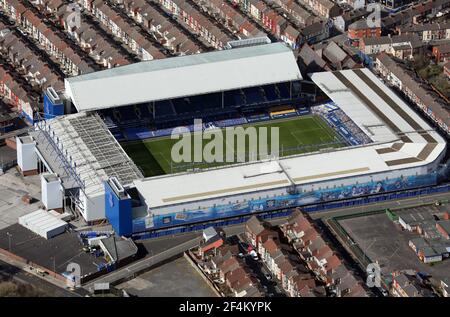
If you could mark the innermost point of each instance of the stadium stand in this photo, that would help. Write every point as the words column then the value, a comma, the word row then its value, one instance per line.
column 342, row 124
column 229, row 105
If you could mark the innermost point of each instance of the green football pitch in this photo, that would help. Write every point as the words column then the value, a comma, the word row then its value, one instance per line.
column 299, row 135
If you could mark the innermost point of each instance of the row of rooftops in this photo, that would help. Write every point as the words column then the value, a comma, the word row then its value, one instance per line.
column 405, row 21
column 411, row 39
column 93, row 42
column 285, row 20
column 132, row 32
column 322, row 7
column 411, row 84
column 429, row 247
column 421, row 9
column 19, row 90
column 151, row 18
column 434, row 228
column 317, row 257
column 90, row 38
column 50, row 39
column 304, row 285
column 423, row 27
column 408, row 285
column 234, row 272
column 326, row 56
column 20, row 54
column 296, row 279
column 297, row 12
column 308, row 242
column 198, row 21
column 239, row 22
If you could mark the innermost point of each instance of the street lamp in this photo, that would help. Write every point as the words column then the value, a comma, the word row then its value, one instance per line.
column 9, row 240
column 54, row 265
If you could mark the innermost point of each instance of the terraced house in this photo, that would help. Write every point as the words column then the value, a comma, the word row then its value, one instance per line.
column 197, row 22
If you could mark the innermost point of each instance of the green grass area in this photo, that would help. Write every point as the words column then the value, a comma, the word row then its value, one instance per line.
column 298, row 135
column 431, row 72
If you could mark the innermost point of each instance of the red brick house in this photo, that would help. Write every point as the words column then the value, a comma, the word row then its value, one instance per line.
column 360, row 29
column 227, row 266
column 442, row 53
column 212, row 244
column 443, row 227
column 256, row 232
column 447, row 71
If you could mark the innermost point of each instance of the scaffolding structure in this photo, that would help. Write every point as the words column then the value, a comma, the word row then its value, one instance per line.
column 87, row 151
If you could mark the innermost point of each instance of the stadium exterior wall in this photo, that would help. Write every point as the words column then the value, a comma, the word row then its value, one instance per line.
column 118, row 210
column 314, row 193
column 286, row 212
column 93, row 207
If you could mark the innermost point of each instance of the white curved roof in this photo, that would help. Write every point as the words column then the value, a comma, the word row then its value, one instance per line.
column 183, row 76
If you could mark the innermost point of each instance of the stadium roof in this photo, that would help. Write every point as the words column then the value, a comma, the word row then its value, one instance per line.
column 402, row 139
column 89, row 148
column 183, row 76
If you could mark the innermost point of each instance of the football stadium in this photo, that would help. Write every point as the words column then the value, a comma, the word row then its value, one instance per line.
column 297, row 135
column 104, row 145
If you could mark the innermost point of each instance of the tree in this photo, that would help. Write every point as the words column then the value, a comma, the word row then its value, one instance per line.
column 421, row 61
column 11, row 289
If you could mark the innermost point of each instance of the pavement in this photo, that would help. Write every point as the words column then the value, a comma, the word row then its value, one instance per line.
column 19, row 272
column 144, row 264
column 257, row 267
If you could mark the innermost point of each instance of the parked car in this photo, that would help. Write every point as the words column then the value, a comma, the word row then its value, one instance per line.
column 383, row 291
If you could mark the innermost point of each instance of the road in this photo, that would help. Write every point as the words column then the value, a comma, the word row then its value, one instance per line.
column 143, row 264
column 8, row 271
column 258, row 269
column 393, row 204
column 163, row 249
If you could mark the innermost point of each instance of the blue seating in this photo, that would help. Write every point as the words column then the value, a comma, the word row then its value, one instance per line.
column 230, row 122
column 271, row 94
column 233, row 98
column 127, row 114
column 253, row 95
column 181, row 106
column 229, row 99
column 210, row 101
column 145, row 112
column 163, row 108
column 222, row 109
column 284, row 90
